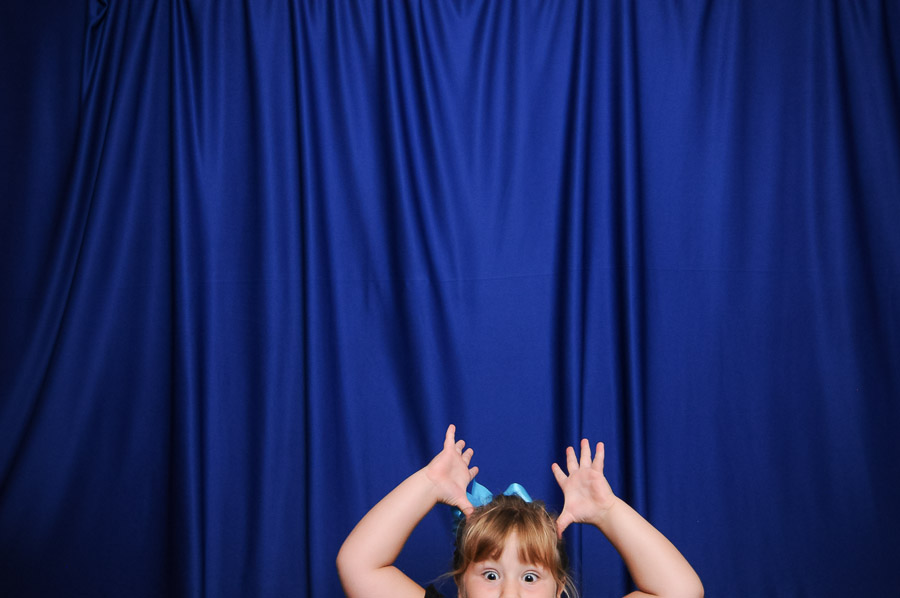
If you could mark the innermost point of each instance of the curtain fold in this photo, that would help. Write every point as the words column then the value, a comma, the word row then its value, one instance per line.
column 255, row 256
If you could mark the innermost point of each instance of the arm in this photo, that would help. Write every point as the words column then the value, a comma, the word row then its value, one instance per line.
column 365, row 561
column 655, row 565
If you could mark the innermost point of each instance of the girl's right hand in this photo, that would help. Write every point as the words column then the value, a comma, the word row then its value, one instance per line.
column 450, row 474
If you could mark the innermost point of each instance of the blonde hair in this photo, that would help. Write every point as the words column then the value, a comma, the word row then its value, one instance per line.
column 483, row 534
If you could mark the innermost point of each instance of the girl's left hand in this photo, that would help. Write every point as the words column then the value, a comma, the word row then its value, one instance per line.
column 587, row 494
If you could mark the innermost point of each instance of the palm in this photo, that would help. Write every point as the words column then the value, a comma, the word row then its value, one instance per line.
column 586, row 492
column 450, row 473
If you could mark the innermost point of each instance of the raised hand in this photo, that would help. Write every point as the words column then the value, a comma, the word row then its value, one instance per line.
column 450, row 473
column 366, row 559
column 587, row 494
column 655, row 565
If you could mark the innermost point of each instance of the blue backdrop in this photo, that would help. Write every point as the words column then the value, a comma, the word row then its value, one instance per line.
column 257, row 255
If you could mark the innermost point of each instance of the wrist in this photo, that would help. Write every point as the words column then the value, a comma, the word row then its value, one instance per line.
column 424, row 481
column 604, row 516
column 426, row 485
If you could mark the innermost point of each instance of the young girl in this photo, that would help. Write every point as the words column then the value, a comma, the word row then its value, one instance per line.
column 508, row 547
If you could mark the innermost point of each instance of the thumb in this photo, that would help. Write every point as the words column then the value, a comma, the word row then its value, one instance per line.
column 463, row 503
column 465, row 506
column 562, row 522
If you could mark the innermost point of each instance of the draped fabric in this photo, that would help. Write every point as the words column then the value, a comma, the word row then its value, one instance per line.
column 257, row 255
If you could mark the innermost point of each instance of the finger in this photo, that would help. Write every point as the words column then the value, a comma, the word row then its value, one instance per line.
column 465, row 506
column 473, row 472
column 585, row 453
column 563, row 522
column 467, row 456
column 450, row 436
column 558, row 474
column 599, row 457
column 571, row 461
column 459, row 446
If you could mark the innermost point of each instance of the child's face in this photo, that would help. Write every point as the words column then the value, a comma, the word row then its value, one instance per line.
column 508, row 577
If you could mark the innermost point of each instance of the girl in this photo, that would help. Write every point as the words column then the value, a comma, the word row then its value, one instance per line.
column 507, row 547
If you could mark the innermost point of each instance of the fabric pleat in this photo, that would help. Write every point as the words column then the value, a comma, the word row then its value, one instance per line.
column 256, row 256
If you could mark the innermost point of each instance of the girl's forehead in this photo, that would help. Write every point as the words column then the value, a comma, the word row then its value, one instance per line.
column 510, row 555
column 507, row 563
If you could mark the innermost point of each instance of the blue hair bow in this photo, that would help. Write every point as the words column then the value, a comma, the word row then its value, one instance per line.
column 480, row 496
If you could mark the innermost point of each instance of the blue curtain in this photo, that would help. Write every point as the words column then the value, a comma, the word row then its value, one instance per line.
column 257, row 255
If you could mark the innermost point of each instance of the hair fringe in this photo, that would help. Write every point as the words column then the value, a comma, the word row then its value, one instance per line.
column 491, row 524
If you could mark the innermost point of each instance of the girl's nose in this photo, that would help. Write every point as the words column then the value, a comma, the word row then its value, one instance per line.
column 510, row 588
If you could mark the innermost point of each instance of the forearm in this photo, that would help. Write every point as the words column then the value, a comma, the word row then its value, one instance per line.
column 655, row 565
column 376, row 541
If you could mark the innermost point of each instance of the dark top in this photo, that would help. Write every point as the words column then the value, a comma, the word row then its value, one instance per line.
column 430, row 592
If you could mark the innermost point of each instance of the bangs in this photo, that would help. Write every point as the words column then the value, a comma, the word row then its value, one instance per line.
column 537, row 540
column 483, row 535
column 535, row 546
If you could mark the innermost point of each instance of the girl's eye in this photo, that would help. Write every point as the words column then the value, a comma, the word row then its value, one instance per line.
column 490, row 575
column 530, row 578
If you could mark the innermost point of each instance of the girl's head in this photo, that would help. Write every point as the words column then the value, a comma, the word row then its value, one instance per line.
column 509, row 543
